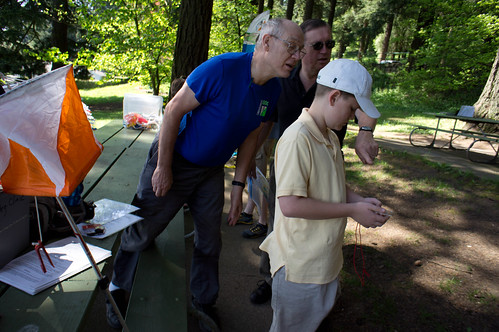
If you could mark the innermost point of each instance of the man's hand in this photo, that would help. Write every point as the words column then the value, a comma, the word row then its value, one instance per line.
column 366, row 147
column 252, row 169
column 236, row 205
column 161, row 180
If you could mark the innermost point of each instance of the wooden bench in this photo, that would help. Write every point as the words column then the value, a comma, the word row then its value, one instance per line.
column 64, row 306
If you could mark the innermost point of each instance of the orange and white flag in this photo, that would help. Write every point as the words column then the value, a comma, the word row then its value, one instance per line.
column 47, row 145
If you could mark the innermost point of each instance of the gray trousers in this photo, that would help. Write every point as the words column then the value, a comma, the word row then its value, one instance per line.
column 200, row 187
column 300, row 307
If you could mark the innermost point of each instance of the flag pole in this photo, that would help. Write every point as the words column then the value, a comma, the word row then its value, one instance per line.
column 103, row 280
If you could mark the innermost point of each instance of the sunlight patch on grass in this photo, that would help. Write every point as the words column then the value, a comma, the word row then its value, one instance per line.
column 97, row 94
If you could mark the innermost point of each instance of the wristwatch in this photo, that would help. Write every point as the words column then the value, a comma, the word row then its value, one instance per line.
column 366, row 128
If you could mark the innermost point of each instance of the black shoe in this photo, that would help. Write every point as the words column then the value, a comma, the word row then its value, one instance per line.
column 207, row 315
column 119, row 297
column 257, row 230
column 245, row 219
column 262, row 294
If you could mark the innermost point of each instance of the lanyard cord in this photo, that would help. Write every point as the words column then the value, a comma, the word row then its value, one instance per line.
column 364, row 274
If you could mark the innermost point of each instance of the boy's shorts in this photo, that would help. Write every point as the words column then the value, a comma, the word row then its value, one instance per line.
column 300, row 307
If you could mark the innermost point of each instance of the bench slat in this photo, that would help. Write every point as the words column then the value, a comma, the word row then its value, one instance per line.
column 122, row 178
column 468, row 134
column 160, row 283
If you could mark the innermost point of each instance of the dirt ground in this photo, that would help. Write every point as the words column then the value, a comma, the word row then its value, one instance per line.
column 434, row 266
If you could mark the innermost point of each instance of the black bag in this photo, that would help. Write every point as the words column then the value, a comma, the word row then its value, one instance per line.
column 53, row 222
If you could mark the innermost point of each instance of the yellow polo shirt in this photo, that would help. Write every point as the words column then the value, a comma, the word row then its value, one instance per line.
column 308, row 165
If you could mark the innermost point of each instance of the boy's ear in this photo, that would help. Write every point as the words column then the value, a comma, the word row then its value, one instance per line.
column 333, row 96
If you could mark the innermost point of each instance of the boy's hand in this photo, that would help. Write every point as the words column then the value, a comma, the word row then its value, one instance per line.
column 369, row 213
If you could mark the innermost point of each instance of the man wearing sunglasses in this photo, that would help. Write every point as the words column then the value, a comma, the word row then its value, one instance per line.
column 298, row 91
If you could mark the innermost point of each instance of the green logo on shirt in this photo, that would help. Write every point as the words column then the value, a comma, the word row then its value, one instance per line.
column 262, row 110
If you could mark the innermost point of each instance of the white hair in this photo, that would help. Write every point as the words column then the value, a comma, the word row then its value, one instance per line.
column 271, row 27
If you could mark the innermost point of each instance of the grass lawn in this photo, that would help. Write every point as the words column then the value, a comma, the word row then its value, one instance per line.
column 106, row 100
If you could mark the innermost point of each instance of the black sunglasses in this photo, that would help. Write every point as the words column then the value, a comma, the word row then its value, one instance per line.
column 318, row 45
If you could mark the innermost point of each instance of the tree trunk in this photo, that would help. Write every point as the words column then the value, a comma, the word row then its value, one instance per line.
column 155, row 82
column 332, row 10
column 487, row 105
column 426, row 17
column 270, row 4
column 289, row 9
column 59, row 34
column 388, row 33
column 309, row 9
column 341, row 49
column 363, row 41
column 193, row 35
column 260, row 6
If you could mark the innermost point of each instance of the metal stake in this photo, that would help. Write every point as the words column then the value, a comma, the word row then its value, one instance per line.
column 103, row 282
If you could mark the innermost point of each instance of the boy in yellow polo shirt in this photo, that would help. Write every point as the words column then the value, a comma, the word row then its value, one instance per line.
column 313, row 200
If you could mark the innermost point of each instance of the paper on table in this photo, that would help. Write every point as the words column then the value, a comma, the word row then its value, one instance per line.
column 113, row 215
column 68, row 257
column 113, row 226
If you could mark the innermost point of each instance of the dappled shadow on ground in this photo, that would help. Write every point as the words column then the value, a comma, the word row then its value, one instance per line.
column 434, row 265
column 393, row 298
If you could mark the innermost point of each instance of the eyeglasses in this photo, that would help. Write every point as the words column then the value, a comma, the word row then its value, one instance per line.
column 292, row 48
column 319, row 45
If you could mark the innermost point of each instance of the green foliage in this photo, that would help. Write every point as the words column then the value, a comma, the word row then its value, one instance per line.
column 26, row 36
column 230, row 21
column 135, row 39
column 459, row 48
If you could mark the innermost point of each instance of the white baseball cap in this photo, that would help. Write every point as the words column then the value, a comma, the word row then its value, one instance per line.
column 350, row 76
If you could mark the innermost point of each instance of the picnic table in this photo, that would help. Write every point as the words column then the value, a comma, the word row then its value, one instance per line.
column 161, row 269
column 475, row 133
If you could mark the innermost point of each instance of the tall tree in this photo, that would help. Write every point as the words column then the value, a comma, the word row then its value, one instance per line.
column 332, row 10
column 270, row 4
column 61, row 17
column 425, row 19
column 309, row 9
column 289, row 9
column 261, row 5
column 193, row 35
column 487, row 105
column 386, row 39
column 364, row 40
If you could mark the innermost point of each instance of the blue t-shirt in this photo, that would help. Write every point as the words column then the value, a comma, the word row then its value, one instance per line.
column 231, row 107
